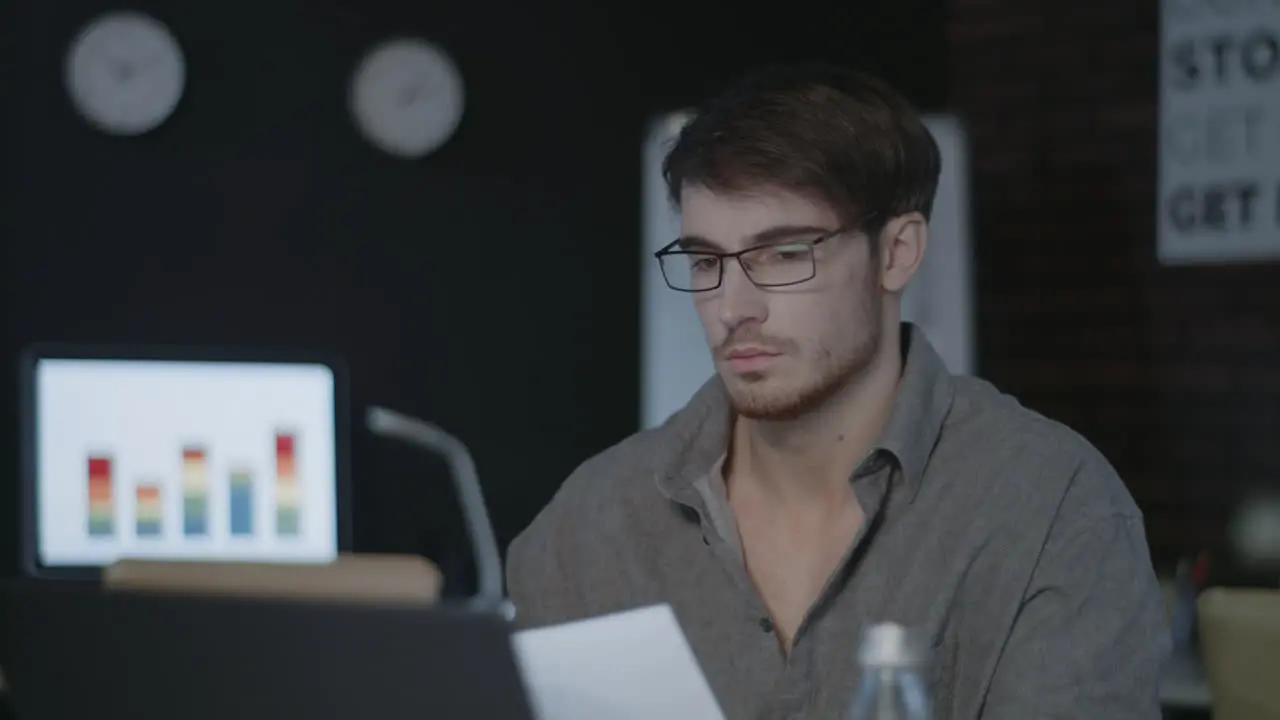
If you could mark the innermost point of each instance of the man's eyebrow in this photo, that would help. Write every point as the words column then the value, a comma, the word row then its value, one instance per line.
column 695, row 242
column 774, row 234
column 789, row 232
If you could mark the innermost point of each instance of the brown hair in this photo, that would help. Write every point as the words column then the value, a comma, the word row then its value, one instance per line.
column 840, row 136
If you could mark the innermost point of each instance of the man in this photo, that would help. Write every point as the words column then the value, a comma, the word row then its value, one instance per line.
column 834, row 474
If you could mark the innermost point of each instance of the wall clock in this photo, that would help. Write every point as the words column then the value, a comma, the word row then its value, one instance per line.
column 125, row 73
column 406, row 97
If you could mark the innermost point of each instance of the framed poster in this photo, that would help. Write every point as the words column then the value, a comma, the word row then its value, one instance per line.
column 1219, row 156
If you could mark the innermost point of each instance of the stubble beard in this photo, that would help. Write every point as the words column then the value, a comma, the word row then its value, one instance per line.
column 753, row 398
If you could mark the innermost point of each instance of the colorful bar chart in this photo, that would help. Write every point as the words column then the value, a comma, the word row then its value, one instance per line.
column 241, row 502
column 195, row 491
column 288, row 492
column 101, row 502
column 148, row 513
column 246, row 516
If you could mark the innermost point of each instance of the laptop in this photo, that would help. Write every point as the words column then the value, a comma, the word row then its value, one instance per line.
column 74, row 651
column 181, row 454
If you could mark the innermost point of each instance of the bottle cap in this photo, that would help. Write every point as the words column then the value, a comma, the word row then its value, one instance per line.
column 890, row 645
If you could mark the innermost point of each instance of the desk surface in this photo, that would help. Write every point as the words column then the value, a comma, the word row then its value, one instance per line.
column 1185, row 683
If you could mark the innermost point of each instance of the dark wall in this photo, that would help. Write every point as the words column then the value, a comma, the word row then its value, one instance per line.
column 1173, row 372
column 492, row 287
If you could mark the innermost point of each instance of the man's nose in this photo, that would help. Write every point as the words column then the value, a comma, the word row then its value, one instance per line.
column 741, row 301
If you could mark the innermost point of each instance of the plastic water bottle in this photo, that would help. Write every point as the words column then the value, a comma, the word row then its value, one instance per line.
column 892, row 685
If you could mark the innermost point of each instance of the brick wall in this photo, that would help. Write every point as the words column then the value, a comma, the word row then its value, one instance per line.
column 1173, row 372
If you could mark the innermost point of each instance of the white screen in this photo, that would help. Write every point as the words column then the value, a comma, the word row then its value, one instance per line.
column 675, row 360
column 163, row 441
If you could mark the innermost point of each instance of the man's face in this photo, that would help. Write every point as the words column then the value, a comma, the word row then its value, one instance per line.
column 783, row 350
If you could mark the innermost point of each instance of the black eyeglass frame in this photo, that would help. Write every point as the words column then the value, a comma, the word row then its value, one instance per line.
column 673, row 249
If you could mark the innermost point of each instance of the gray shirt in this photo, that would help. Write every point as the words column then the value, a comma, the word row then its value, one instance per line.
column 1003, row 537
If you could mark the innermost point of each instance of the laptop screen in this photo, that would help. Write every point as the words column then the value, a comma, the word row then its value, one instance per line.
column 182, row 460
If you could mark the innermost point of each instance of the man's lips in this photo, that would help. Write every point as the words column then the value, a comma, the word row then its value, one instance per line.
column 750, row 352
column 750, row 359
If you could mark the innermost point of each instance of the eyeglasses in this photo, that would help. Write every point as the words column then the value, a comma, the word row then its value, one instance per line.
column 790, row 262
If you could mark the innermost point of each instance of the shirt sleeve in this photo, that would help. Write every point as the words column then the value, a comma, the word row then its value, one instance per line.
column 1091, row 637
column 541, row 571
column 535, row 575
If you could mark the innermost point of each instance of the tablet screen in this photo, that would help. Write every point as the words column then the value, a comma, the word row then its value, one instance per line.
column 183, row 461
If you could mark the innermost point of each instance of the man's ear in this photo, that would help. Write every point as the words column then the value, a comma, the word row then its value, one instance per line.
column 902, row 245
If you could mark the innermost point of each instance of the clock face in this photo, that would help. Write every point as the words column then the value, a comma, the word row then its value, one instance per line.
column 125, row 73
column 406, row 97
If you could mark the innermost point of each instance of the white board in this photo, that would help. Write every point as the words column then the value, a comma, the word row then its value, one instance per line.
column 675, row 360
column 1219, row 159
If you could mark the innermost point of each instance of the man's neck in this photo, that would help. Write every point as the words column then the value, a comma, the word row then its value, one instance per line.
column 807, row 461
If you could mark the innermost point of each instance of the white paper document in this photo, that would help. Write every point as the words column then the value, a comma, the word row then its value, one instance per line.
column 634, row 665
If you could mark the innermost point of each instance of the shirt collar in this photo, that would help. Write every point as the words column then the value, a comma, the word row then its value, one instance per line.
column 924, row 400
column 700, row 431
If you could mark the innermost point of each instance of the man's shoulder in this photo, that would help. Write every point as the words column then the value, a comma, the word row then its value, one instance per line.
column 611, row 483
column 981, row 410
column 598, row 513
column 621, row 471
column 1015, row 445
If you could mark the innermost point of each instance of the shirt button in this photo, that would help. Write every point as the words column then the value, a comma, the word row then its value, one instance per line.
column 766, row 625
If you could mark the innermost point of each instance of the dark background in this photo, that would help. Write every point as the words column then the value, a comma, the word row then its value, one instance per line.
column 492, row 287
column 1174, row 372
